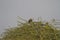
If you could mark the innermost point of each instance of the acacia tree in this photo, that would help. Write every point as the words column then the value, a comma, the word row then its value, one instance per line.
column 32, row 31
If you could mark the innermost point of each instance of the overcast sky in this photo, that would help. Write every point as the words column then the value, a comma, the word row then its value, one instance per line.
column 10, row 9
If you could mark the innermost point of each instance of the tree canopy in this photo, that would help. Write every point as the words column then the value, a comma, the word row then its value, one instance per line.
column 32, row 31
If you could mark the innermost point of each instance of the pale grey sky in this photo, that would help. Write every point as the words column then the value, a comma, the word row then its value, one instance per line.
column 10, row 9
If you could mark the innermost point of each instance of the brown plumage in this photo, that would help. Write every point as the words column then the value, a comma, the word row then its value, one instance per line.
column 30, row 20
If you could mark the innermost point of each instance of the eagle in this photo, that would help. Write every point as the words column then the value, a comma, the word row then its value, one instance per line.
column 30, row 20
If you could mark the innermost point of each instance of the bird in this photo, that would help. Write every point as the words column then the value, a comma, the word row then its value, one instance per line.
column 30, row 20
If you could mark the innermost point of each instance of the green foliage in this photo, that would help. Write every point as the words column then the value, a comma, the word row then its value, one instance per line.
column 32, row 31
